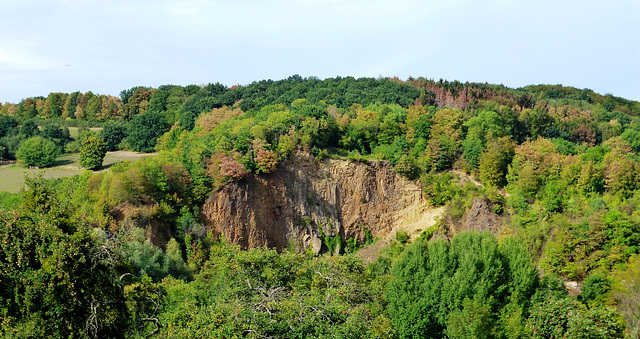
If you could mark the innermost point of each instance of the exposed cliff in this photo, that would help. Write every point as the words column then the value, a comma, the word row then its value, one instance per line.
column 305, row 199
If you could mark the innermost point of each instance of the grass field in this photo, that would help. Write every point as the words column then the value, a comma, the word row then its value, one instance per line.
column 12, row 176
column 73, row 131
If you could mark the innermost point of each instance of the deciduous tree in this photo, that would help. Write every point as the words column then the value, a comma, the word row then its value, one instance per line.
column 92, row 152
column 112, row 133
column 37, row 151
column 144, row 131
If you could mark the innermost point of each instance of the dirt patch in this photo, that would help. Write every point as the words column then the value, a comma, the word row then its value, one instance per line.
column 128, row 155
column 466, row 178
column 428, row 218
column 119, row 156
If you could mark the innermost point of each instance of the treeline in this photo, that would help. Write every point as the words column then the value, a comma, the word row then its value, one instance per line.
column 176, row 101
column 141, row 114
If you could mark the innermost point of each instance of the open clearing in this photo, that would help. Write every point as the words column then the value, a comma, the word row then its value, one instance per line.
column 73, row 131
column 12, row 176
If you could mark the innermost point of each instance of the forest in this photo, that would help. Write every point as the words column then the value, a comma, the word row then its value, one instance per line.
column 560, row 166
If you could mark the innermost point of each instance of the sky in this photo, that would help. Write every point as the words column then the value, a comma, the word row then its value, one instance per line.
column 108, row 46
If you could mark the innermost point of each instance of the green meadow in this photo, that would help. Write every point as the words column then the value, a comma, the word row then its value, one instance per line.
column 13, row 176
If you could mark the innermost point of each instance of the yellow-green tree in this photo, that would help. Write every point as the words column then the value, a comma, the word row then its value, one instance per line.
column 495, row 161
column 92, row 152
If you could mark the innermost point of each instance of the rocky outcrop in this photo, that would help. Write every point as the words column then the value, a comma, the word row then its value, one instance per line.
column 306, row 199
column 480, row 217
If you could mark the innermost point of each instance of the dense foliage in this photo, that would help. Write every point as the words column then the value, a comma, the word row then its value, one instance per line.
column 58, row 280
column 437, row 287
column 112, row 133
column 144, row 130
column 37, row 151
column 92, row 152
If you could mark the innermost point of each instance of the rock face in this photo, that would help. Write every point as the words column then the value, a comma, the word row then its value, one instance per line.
column 306, row 199
column 480, row 217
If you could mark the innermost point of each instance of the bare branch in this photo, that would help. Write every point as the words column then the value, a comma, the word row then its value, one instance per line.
column 156, row 322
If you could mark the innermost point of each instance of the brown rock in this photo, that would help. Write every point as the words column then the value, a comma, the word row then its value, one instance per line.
column 480, row 217
column 305, row 199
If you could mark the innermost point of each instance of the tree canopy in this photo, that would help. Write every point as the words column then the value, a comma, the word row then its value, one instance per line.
column 144, row 131
column 37, row 151
column 92, row 152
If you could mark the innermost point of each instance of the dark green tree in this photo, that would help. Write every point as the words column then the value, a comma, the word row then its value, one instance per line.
column 8, row 125
column 54, row 132
column 10, row 146
column 435, row 285
column 112, row 133
column 29, row 129
column 144, row 131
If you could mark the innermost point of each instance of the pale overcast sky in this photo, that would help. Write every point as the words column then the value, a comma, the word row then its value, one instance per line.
column 107, row 46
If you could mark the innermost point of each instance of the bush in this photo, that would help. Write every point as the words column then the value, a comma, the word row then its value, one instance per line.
column 565, row 318
column 594, row 289
column 402, row 237
column 37, row 151
column 440, row 188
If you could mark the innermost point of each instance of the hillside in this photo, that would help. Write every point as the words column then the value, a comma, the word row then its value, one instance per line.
column 329, row 208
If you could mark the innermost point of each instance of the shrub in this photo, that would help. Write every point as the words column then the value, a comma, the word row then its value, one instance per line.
column 440, row 188
column 37, row 151
column 402, row 237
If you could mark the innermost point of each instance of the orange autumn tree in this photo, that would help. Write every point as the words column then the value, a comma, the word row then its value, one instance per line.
column 265, row 159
